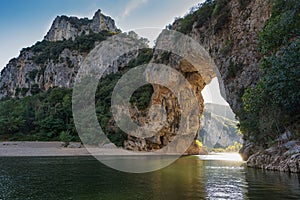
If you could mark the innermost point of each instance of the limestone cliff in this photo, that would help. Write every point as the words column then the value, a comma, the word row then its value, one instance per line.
column 236, row 33
column 54, row 62
column 218, row 127
column 229, row 31
column 231, row 38
column 64, row 28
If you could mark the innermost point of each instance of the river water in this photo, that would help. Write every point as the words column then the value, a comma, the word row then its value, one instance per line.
column 190, row 177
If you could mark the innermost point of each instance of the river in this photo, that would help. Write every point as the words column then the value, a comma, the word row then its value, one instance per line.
column 190, row 177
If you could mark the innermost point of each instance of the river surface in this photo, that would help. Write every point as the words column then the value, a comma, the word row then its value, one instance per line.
column 191, row 177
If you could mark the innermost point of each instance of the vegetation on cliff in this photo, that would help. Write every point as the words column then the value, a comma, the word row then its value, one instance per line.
column 48, row 116
column 50, row 50
column 273, row 105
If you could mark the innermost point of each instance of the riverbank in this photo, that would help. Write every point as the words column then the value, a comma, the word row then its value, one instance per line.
column 284, row 157
column 41, row 149
column 19, row 149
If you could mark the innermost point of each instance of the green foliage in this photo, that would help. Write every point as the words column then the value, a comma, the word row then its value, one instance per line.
column 65, row 136
column 165, row 56
column 202, row 13
column 219, row 5
column 11, row 116
column 283, row 25
column 233, row 69
column 141, row 98
column 273, row 104
column 198, row 15
column 233, row 148
column 205, row 12
column 33, row 73
column 227, row 48
column 222, row 20
column 35, row 89
column 187, row 24
column 282, row 77
column 199, row 143
column 48, row 50
column 24, row 91
column 144, row 57
column 39, row 117
column 117, row 137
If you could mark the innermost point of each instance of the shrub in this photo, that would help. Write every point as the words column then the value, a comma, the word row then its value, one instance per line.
column 273, row 104
column 65, row 137
column 219, row 6
column 199, row 143
column 233, row 69
column 33, row 73
column 49, row 50
column 221, row 22
column 227, row 47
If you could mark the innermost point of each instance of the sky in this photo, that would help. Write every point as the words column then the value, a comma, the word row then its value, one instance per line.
column 24, row 22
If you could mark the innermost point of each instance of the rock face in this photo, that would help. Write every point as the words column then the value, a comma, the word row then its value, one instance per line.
column 166, row 100
column 218, row 131
column 64, row 28
column 232, row 41
column 283, row 157
column 24, row 76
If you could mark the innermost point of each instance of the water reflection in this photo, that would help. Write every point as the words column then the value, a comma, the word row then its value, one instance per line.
column 277, row 185
column 225, row 180
column 187, row 178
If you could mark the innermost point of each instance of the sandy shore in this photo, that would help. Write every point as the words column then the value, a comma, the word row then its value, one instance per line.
column 39, row 149
column 35, row 149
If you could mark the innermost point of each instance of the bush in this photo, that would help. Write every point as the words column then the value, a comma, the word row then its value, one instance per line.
column 33, row 73
column 65, row 137
column 42, row 116
column 221, row 22
column 198, row 16
column 48, row 50
column 199, row 143
column 233, row 69
column 272, row 106
column 142, row 96
column 219, row 5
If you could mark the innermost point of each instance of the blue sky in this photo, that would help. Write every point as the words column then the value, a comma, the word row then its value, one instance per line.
column 24, row 22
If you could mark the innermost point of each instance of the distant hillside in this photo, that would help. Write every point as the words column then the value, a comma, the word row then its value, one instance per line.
column 219, row 128
column 221, row 110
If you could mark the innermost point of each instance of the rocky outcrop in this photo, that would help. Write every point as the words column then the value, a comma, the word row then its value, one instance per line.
column 231, row 38
column 23, row 77
column 164, row 99
column 281, row 157
column 232, row 41
column 64, row 28
column 218, row 131
column 27, row 75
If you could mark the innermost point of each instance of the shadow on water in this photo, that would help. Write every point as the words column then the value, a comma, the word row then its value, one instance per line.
column 187, row 178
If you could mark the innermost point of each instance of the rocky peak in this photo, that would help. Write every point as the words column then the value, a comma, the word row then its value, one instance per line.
column 64, row 27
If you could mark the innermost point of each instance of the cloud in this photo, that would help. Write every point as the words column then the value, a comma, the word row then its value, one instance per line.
column 132, row 5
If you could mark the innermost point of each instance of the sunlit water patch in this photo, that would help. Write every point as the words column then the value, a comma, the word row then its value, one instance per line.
column 190, row 177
